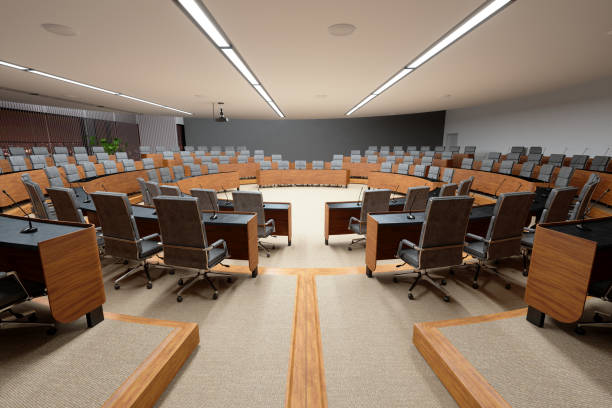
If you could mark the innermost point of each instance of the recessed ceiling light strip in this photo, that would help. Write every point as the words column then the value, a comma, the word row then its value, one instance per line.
column 201, row 17
column 483, row 13
column 95, row 88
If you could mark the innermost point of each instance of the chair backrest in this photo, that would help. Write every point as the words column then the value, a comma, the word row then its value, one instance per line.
column 374, row 201
column 438, row 148
column 172, row 191
column 409, row 159
column 402, row 168
column 195, row 169
column 467, row 163
column 374, row 148
column 179, row 172
column 419, row 170
column 128, row 165
column 427, row 160
column 579, row 161
column 144, row 149
column 189, row 148
column 469, row 149
column 584, row 198
column 160, row 149
column 250, row 201
column 203, row 148
column 243, row 159
column 224, row 159
column 265, row 165
column 518, row 149
column 244, row 152
column 213, row 168
column 168, row 155
column 146, row 198
column 164, row 174
column 336, row 164
column 258, row 152
column 425, row 148
column 64, row 203
column 60, row 150
column 564, row 176
column 241, row 148
column 277, row 157
column 465, row 186
column 534, row 158
column 81, row 158
column 370, row 159
column 121, row 156
column 97, row 149
column 415, row 153
column 506, row 167
column 17, row 163
column 206, row 159
column 119, row 230
column 101, row 156
column 89, row 169
column 416, row 198
column 448, row 190
column 39, row 205
column 40, row 150
column 429, row 154
column 494, row 156
column 452, row 149
column 515, row 157
column 556, row 159
column 300, row 164
column 53, row 174
column 337, row 157
column 443, row 231
column 38, row 161
column 384, row 153
column 386, row 167
column 411, row 148
column 72, row 173
column 79, row 150
column 527, row 169
column 153, row 189
column 215, row 153
column 545, row 172
column 199, row 153
column 148, row 164
column 355, row 158
column 535, row 150
column 62, row 159
column 318, row 165
column 258, row 157
column 433, row 173
column 207, row 198
column 358, row 152
column 447, row 155
column 152, row 176
column 110, row 166
column 599, row 163
column 486, row 165
column 17, row 151
column 511, row 211
column 558, row 203
column 447, row 176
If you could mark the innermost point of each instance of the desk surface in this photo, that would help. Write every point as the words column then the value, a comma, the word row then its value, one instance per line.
column 357, row 204
column 267, row 206
column 599, row 231
column 480, row 212
column 10, row 235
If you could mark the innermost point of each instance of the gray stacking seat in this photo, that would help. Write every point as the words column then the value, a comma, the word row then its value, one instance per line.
column 153, row 189
column 486, row 165
column 336, row 164
column 494, row 156
column 54, row 177
column 17, row 163
column 215, row 153
column 435, row 249
column 429, row 153
column 503, row 238
column 415, row 153
column 121, row 156
column 229, row 149
column 17, row 151
column 374, row 148
column 203, row 148
column 584, row 198
column 110, row 166
column 373, row 201
column 207, row 198
column 447, row 155
column 38, row 161
column 419, row 170
column 521, row 150
column 171, row 191
column 438, row 148
column 81, row 158
column 370, row 159
column 188, row 159
column 195, row 170
column 535, row 150
column 469, row 149
column 168, row 155
column 179, row 172
column 224, row 159
column 515, row 157
column 300, row 164
column 433, row 173
column 89, row 169
column 356, row 158
column 241, row 148
column 199, row 154
column 398, row 148
column 128, row 165
column 556, row 159
column 252, row 201
column 175, row 149
column 101, row 156
column 265, row 165
column 120, row 233
column 206, row 159
column 79, row 150
column 260, row 152
column 506, row 167
column 62, row 159
column 408, row 160
column 244, row 152
column 447, row 176
column 164, row 174
column 448, row 190
column 386, row 167
column 465, row 186
column 144, row 149
column 147, row 163
column 425, row 148
column 390, row 159
column 40, row 208
column 60, row 150
column 545, row 173
column 452, row 149
column 65, row 204
column 398, row 151
column 600, row 163
column 564, row 176
column 184, row 153
column 355, row 152
column 579, row 161
column 427, row 160
column 527, row 169
column 215, row 149
column 97, row 149
column 213, row 168
column 318, row 165
column 384, row 153
column 467, row 163
column 385, row 148
column 534, row 158
column 40, row 151
column 402, row 168
column 189, row 148
column 72, row 173
column 277, row 157
column 283, row 165
column 258, row 158
column 243, row 159
column 411, row 148
column 152, row 176
column 146, row 198
column 337, row 157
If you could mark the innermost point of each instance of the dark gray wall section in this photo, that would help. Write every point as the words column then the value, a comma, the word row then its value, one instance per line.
column 318, row 139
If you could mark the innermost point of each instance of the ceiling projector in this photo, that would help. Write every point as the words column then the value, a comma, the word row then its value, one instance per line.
column 221, row 118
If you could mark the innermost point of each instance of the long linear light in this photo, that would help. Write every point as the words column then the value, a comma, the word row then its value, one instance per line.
column 95, row 88
column 200, row 16
column 468, row 24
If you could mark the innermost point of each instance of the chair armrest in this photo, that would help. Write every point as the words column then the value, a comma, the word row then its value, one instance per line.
column 269, row 222
column 354, row 220
column 528, row 229
column 217, row 243
column 476, row 237
column 148, row 237
column 405, row 242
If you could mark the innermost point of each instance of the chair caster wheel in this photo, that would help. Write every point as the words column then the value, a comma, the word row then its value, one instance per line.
column 580, row 331
column 230, row 280
column 117, row 286
column 171, row 272
column 443, row 282
column 125, row 262
column 267, row 255
column 215, row 296
column 395, row 280
column 51, row 331
column 446, row 299
column 350, row 249
column 149, row 285
column 179, row 299
column 180, row 282
column 410, row 296
column 508, row 286
column 326, row 242
column 475, row 285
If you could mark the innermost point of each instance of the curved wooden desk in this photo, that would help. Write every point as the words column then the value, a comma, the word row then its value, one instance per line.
column 302, row 177
column 495, row 183
column 399, row 182
column 217, row 181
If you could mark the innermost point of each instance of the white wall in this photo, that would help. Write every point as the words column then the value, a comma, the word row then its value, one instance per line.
column 157, row 130
column 572, row 118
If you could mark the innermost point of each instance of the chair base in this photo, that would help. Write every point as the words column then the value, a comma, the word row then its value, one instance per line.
column 145, row 266
column 481, row 266
column 426, row 277
column 266, row 249
column 355, row 241
column 200, row 276
column 25, row 320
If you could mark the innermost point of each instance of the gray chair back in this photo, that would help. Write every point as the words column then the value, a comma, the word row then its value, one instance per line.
column 535, row 150
column 224, row 159
column 419, row 170
column 17, row 151
column 64, row 203
column 168, row 155
column 102, row 156
column 579, row 161
column 448, row 190
column 40, row 150
column 416, row 198
column 258, row 152
column 148, row 164
column 486, row 165
column 558, row 204
column 128, row 165
column 564, row 176
column 318, row 165
column 384, row 153
column 89, row 169
column 172, row 191
column 244, row 152
column 527, row 169
column 146, row 198
column 188, row 159
column 515, row 157
column 600, row 163
column 534, row 158
column 164, row 174
column 72, row 173
column 386, row 167
column 584, row 198
column 258, row 158
column 60, row 150
column 152, row 176
column 54, row 176
column 408, row 160
column 411, row 148
column 62, row 159
column 469, row 149
column 355, row 158
column 251, row 201
column 81, row 158
column 429, row 154
column 433, row 173
column 545, row 173
column 17, row 163
column 97, row 149
column 452, row 149
column 265, row 165
column 79, row 150
column 465, row 186
column 373, row 201
column 425, row 148
column 374, row 148
column 207, row 198
column 189, row 148
column 160, row 149
column 195, row 170
column 337, row 157
column 300, row 164
column 203, row 148
column 144, row 149
column 213, row 168
column 179, row 172
column 283, row 165
column 518, row 149
column 277, row 157
column 467, row 163
column 402, row 168
column 153, row 189
column 39, row 205
column 243, row 159
column 438, row 148
column 447, row 176
column 206, row 159
column 415, row 153
column 110, row 166
column 369, row 159
column 427, row 161
column 494, row 156
column 447, row 155
column 38, row 161
column 121, row 156
column 556, row 159
column 506, row 167
column 336, row 164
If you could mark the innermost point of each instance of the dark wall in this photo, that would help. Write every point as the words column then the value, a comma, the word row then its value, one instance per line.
column 318, row 139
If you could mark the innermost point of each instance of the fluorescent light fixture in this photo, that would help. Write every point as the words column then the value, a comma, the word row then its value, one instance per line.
column 393, row 80
column 8, row 64
column 240, row 65
column 70, row 81
column 263, row 93
column 360, row 104
column 195, row 10
column 278, row 112
column 460, row 31
column 152, row 103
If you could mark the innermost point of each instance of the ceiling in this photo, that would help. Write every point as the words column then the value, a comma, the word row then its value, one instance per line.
column 150, row 50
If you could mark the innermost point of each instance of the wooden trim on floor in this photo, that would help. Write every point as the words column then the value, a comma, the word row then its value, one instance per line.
column 467, row 386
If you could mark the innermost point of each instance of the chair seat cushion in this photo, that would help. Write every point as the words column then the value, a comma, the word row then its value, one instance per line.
column 265, row 231
column 410, row 256
column 150, row 247
column 358, row 228
column 215, row 256
column 477, row 249
column 527, row 239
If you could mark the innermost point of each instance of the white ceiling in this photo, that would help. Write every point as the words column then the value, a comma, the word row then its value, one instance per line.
column 150, row 50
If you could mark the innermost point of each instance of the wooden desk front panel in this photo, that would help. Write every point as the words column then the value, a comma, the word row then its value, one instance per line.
column 398, row 182
column 337, row 219
column 491, row 183
column 360, row 169
column 274, row 177
column 218, row 181
column 245, row 170
column 282, row 220
column 119, row 182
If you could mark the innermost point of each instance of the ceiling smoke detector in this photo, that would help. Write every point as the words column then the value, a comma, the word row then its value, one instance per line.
column 341, row 29
column 221, row 118
column 59, row 29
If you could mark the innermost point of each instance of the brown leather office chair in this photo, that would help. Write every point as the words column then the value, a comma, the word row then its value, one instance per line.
column 252, row 201
column 207, row 198
column 120, row 233
column 146, row 198
column 448, row 190
column 504, row 235
column 581, row 206
column 373, row 201
column 184, row 240
column 465, row 186
column 40, row 208
column 441, row 242
column 153, row 189
column 416, row 199
column 172, row 191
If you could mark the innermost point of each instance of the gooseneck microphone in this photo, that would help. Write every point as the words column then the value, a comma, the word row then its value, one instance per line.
column 590, row 207
column 103, row 187
column 30, row 228
column 214, row 214
column 410, row 216
column 498, row 187
column 359, row 198
column 395, row 191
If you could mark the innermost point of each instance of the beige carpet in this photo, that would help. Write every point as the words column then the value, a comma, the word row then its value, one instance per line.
column 76, row 367
column 245, row 336
column 366, row 327
column 525, row 363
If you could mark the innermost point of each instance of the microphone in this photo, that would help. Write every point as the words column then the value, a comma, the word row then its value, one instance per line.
column 410, row 216
column 565, row 150
column 103, row 188
column 498, row 187
column 225, row 193
column 359, row 198
column 585, row 150
column 395, row 191
column 606, row 152
column 29, row 229
column 214, row 214
column 588, row 210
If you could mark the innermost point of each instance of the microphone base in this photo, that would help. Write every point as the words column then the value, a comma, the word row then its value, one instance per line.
column 214, row 217
column 410, row 217
column 581, row 227
column 29, row 230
